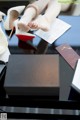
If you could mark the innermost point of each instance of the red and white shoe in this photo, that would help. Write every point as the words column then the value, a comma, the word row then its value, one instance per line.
column 22, row 35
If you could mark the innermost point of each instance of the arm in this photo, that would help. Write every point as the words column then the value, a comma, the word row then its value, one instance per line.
column 31, row 12
column 53, row 10
column 39, row 5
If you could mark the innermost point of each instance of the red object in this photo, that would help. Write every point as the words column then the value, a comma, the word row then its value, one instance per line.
column 24, row 37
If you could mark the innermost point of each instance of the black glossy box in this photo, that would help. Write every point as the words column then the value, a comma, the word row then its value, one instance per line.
column 33, row 75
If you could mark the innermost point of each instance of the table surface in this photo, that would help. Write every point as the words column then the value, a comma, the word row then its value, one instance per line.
column 71, row 37
column 70, row 33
